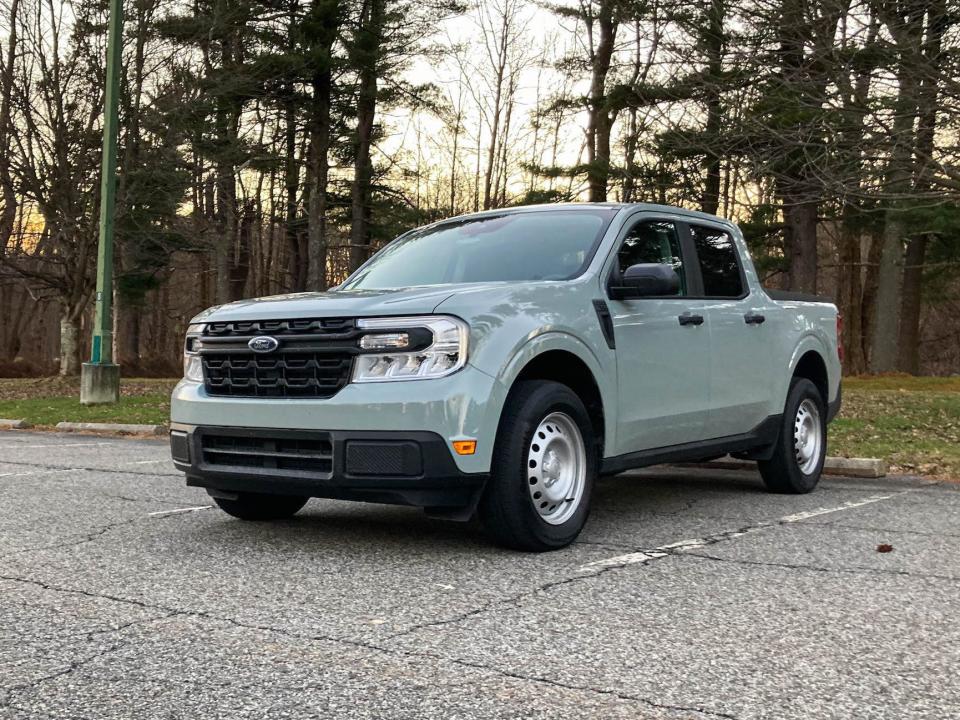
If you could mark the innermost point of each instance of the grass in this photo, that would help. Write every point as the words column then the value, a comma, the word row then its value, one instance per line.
column 912, row 422
column 46, row 401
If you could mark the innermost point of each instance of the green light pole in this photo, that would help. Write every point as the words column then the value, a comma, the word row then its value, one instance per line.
column 100, row 378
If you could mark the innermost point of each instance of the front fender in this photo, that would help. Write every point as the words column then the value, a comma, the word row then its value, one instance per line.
column 602, row 368
column 510, row 325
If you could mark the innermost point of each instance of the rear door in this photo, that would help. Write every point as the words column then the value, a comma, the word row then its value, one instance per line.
column 742, row 333
column 662, row 344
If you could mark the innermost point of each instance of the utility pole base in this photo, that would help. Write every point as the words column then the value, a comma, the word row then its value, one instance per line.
column 99, row 384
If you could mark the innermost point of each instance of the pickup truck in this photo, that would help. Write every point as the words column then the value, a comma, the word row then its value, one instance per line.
column 494, row 365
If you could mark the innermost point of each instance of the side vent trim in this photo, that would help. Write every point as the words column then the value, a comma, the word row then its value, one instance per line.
column 606, row 323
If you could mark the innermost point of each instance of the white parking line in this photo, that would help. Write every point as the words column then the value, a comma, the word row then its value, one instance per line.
column 58, row 445
column 824, row 511
column 178, row 511
column 40, row 472
column 623, row 560
column 635, row 558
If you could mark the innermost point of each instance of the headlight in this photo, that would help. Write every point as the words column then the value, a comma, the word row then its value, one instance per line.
column 410, row 348
column 192, row 365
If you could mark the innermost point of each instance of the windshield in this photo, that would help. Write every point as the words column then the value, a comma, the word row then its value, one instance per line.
column 517, row 247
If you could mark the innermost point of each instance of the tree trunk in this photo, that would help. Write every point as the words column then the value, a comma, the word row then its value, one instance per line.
column 907, row 34
column 599, row 121
column 800, row 240
column 16, row 317
column 226, row 228
column 127, row 337
column 500, row 195
column 8, row 216
column 297, row 265
column 713, row 46
column 458, row 126
column 869, row 305
column 240, row 262
column 806, row 55
column 319, row 170
column 227, row 119
column 909, row 342
column 886, row 325
column 850, row 292
column 630, row 142
column 500, row 71
column 910, row 305
column 370, row 38
column 69, row 343
column 476, row 174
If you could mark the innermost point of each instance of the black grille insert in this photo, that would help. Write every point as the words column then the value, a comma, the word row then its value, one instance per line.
column 314, row 358
column 312, row 455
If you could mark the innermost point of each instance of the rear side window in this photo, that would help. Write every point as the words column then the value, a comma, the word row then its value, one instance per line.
column 652, row 241
column 719, row 263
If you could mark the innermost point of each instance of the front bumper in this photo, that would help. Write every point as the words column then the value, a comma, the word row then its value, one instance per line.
column 462, row 406
column 395, row 467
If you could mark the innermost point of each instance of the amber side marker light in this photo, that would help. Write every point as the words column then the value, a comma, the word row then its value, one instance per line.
column 465, row 447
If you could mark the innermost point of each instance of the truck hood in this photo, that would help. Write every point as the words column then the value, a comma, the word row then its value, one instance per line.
column 334, row 303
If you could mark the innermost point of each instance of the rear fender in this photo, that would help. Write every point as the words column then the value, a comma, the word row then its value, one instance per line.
column 813, row 342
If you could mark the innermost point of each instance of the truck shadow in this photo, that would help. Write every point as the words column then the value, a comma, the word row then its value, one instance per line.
column 632, row 501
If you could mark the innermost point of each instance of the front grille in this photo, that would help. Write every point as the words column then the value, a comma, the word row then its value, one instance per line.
column 280, row 375
column 325, row 327
column 312, row 455
column 314, row 358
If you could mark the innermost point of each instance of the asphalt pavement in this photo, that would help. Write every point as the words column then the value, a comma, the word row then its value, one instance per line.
column 691, row 594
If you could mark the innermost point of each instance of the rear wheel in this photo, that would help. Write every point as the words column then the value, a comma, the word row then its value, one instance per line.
column 256, row 506
column 798, row 456
column 543, row 469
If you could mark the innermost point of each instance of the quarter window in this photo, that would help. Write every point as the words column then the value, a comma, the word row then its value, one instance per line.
column 655, row 242
column 719, row 265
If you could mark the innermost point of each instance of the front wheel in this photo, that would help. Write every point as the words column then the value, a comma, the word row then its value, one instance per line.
column 257, row 506
column 543, row 469
column 797, row 459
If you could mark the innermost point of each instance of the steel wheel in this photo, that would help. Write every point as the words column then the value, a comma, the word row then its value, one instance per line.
column 556, row 468
column 807, row 436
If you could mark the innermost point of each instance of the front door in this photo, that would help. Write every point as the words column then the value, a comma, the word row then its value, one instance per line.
column 662, row 347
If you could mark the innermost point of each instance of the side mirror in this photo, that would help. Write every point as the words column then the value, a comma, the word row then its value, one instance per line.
column 646, row 280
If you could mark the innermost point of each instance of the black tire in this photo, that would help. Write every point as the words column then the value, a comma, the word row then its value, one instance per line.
column 506, row 509
column 782, row 473
column 259, row 507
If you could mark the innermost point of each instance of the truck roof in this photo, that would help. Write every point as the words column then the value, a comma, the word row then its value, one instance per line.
column 587, row 206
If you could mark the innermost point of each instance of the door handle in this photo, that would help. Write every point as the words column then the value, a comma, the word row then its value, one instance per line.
column 690, row 319
column 752, row 318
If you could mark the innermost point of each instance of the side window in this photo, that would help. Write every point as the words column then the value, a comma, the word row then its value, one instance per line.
column 653, row 241
column 719, row 263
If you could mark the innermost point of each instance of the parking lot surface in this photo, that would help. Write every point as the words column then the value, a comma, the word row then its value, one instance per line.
column 691, row 594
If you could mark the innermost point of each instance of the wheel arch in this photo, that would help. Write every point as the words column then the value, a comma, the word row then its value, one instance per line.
column 813, row 367
column 557, row 357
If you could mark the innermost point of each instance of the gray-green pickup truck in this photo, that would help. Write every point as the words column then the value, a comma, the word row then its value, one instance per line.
column 496, row 364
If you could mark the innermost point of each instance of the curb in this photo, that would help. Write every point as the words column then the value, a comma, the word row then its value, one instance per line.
column 120, row 428
column 849, row 467
column 14, row 424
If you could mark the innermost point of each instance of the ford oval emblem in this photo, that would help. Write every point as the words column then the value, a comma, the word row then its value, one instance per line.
column 263, row 344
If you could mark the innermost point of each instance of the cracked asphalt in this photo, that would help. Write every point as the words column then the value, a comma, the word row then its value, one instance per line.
column 692, row 594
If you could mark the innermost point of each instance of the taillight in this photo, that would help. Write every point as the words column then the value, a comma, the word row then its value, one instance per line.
column 840, row 336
